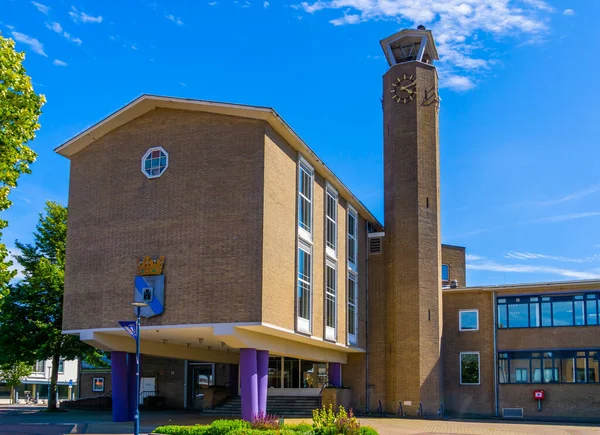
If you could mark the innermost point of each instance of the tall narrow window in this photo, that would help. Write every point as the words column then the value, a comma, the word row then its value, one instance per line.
column 331, row 202
column 469, row 368
column 304, row 287
column 352, row 309
column 352, row 237
column 305, row 195
column 330, row 301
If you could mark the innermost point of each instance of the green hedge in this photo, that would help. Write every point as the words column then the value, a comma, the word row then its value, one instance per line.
column 241, row 427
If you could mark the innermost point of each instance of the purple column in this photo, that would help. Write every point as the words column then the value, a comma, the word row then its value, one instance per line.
column 120, row 405
column 131, row 385
column 248, row 383
column 262, row 368
column 335, row 374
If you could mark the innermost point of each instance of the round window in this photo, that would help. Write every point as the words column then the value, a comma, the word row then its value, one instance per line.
column 155, row 162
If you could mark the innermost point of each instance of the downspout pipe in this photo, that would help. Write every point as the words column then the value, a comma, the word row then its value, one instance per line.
column 495, row 359
column 367, row 317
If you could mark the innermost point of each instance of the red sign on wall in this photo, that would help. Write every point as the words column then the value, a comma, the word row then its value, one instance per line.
column 538, row 394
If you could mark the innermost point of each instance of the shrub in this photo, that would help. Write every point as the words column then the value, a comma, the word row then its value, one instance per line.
column 182, row 430
column 368, row 430
column 327, row 422
column 265, row 421
column 224, row 427
column 301, row 429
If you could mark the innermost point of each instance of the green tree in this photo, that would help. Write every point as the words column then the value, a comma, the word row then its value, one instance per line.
column 13, row 375
column 31, row 316
column 20, row 108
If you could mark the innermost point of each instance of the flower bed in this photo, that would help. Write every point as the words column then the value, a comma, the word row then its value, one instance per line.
column 325, row 422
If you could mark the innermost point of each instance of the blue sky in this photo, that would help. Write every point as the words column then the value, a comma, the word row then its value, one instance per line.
column 518, row 121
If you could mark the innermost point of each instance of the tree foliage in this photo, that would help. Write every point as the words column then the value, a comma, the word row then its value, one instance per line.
column 31, row 316
column 20, row 108
column 13, row 375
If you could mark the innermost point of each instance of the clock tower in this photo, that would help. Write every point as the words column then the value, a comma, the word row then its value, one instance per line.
column 413, row 298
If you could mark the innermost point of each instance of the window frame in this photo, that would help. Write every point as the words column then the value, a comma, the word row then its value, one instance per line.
column 540, row 306
column 304, row 166
column 461, row 368
column 352, row 338
column 331, row 331
column 61, row 362
column 331, row 192
column 469, row 310
column 303, row 324
column 556, row 370
column 445, row 281
column 35, row 367
column 146, row 154
column 352, row 262
column 94, row 389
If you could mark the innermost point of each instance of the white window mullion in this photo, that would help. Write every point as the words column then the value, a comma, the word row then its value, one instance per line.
column 331, row 203
column 352, row 308
column 352, row 238
column 330, row 301
column 305, row 203
column 304, row 288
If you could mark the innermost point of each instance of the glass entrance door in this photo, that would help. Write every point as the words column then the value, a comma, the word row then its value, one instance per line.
column 295, row 377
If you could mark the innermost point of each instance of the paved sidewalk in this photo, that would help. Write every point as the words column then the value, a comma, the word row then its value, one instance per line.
column 31, row 420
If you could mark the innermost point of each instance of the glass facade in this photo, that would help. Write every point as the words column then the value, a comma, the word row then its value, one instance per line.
column 548, row 310
column 292, row 373
column 534, row 367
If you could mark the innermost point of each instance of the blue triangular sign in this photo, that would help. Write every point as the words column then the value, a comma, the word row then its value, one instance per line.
column 129, row 326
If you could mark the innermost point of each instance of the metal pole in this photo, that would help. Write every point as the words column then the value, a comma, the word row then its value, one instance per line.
column 136, row 421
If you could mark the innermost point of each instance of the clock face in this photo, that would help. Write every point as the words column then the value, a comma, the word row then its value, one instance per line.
column 404, row 89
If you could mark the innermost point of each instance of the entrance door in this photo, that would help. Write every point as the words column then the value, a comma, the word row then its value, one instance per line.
column 204, row 377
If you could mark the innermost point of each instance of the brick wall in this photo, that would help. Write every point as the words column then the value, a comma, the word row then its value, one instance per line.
column 412, row 244
column 86, row 381
column 468, row 399
column 454, row 257
column 204, row 214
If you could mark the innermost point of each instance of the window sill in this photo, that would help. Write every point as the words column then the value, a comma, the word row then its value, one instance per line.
column 331, row 253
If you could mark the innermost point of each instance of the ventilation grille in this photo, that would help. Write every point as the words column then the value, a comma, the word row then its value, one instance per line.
column 512, row 412
column 374, row 245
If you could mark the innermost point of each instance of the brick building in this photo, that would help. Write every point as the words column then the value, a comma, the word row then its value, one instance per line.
column 266, row 277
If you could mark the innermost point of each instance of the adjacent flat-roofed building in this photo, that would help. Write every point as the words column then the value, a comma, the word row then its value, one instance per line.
column 265, row 277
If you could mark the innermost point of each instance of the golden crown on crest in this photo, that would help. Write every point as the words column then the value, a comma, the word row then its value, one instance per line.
column 148, row 266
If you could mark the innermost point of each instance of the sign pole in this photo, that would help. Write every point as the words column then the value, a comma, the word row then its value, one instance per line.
column 137, row 374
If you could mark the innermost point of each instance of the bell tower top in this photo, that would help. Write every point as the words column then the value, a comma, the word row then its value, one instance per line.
column 410, row 45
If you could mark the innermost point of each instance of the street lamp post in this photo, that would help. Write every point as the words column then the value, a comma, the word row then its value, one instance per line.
column 136, row 421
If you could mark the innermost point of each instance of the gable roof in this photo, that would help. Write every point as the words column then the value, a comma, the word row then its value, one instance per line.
column 147, row 103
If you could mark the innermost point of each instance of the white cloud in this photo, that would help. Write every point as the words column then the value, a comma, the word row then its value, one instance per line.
column 56, row 27
column 42, row 8
column 458, row 26
column 533, row 256
column 175, row 19
column 212, row 3
column 491, row 266
column 458, row 83
column 182, row 84
column 568, row 217
column 569, row 12
column 346, row 19
column 472, row 257
column 82, row 17
column 59, row 62
column 577, row 195
column 265, row 5
column 35, row 45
